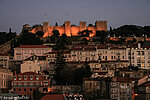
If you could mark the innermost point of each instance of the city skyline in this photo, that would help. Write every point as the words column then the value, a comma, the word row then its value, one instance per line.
column 14, row 14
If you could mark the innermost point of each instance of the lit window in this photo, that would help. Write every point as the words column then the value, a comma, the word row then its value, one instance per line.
column 31, row 77
column 14, row 77
column 37, row 77
column 19, row 77
column 25, row 77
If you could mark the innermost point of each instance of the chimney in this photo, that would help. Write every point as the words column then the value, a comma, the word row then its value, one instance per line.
column 139, row 45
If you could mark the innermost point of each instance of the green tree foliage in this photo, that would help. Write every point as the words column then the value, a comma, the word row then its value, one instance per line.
column 128, row 30
column 102, row 35
column 56, row 24
column 68, row 75
column 40, row 33
column 85, row 33
column 90, row 25
column 134, row 68
column 4, row 37
column 56, row 33
column 62, row 42
column 28, row 39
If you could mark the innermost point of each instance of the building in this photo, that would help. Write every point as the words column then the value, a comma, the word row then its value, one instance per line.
column 68, row 29
column 91, row 85
column 34, row 64
column 25, row 51
column 139, row 55
column 121, row 88
column 83, row 53
column 24, row 84
column 141, row 89
column 5, row 78
column 51, row 56
column 4, row 60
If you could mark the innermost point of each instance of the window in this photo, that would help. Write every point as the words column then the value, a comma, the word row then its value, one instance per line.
column 25, row 77
column 18, row 57
column 19, row 77
column 30, row 89
column 37, row 77
column 111, row 57
column 24, row 89
column 19, row 89
column 31, row 77
column 14, row 77
column 18, row 51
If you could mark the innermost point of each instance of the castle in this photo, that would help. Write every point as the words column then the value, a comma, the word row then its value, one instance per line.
column 68, row 29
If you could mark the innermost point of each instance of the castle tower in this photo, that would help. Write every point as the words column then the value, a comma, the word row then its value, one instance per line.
column 68, row 28
column 45, row 26
column 101, row 25
column 82, row 25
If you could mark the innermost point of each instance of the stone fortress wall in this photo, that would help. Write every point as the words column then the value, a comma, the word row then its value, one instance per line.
column 69, row 29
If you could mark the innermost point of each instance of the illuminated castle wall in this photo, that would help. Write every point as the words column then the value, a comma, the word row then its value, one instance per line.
column 69, row 29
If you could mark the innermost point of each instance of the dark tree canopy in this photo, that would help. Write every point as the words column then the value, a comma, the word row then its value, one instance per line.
column 40, row 33
column 56, row 33
column 28, row 39
column 130, row 30
column 4, row 37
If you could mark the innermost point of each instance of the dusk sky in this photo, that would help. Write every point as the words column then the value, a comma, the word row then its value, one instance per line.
column 15, row 13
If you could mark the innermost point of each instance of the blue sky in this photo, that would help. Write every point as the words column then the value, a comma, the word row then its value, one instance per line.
column 15, row 13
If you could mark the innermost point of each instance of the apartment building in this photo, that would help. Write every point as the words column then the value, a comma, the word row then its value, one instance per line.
column 121, row 88
column 25, row 51
column 5, row 78
column 83, row 53
column 51, row 56
column 34, row 64
column 139, row 55
column 25, row 83
column 4, row 60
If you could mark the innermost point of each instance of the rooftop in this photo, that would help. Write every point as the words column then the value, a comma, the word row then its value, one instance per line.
column 33, row 46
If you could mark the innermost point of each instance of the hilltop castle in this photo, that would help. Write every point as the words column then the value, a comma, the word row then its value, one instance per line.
column 68, row 29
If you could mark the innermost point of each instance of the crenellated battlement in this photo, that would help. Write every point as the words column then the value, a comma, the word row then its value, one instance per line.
column 70, row 30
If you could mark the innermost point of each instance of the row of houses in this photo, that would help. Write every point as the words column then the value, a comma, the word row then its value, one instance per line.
column 109, row 64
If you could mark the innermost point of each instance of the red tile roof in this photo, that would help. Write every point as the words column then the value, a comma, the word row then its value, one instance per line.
column 28, row 73
column 33, row 46
column 53, row 97
column 64, row 52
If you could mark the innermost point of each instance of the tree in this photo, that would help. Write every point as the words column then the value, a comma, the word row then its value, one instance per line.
column 28, row 39
column 40, row 33
column 90, row 25
column 56, row 33
column 56, row 24
column 102, row 35
column 59, row 65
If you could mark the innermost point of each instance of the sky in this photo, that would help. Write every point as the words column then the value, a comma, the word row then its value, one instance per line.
column 15, row 13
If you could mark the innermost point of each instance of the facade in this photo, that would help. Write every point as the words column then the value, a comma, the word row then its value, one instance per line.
column 83, row 53
column 141, row 89
column 121, row 88
column 25, row 83
column 91, row 85
column 51, row 56
column 4, row 60
column 25, row 51
column 5, row 78
column 68, row 29
column 139, row 56
column 34, row 64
